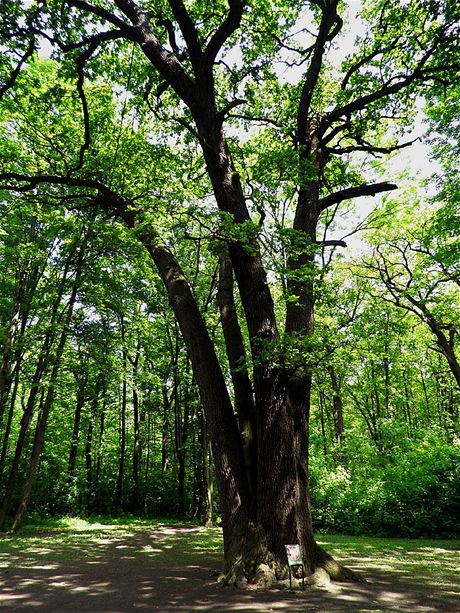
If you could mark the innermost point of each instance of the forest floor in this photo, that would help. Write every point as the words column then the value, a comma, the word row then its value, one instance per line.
column 110, row 568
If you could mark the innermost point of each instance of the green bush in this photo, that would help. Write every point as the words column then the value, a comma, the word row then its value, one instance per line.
column 409, row 492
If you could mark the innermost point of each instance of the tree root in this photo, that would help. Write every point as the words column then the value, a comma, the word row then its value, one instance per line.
column 251, row 565
column 336, row 570
column 254, row 567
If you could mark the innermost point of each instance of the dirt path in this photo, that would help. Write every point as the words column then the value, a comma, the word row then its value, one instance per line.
column 145, row 571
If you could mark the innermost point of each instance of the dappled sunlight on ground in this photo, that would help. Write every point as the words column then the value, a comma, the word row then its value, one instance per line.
column 113, row 569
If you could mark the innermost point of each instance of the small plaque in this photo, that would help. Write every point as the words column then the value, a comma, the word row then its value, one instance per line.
column 293, row 555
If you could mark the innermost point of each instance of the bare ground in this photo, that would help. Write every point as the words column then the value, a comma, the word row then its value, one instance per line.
column 144, row 570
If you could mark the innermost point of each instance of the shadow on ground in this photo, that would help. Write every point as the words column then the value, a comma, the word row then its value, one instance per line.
column 150, row 569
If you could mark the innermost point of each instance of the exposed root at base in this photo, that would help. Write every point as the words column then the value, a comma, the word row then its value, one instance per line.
column 335, row 570
column 251, row 564
column 262, row 571
column 266, row 576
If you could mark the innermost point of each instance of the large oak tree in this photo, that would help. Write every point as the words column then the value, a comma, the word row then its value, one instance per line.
column 286, row 73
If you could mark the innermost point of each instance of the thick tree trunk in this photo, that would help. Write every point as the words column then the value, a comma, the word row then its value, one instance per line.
column 275, row 516
column 226, row 443
column 282, row 515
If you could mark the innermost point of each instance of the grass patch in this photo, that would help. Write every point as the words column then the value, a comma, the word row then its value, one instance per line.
column 76, row 540
column 52, row 543
column 95, row 522
column 435, row 563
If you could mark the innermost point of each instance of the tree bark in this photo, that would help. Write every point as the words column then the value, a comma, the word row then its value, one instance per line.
column 282, row 395
column 236, row 354
column 226, row 443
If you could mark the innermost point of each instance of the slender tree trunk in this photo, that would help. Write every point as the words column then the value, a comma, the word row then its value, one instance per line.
column 147, row 446
column 11, row 364
column 137, row 449
column 9, row 421
column 43, row 417
column 76, row 428
column 24, row 425
column 89, row 463
column 165, row 430
column 179, row 438
column 40, row 369
column 207, row 476
column 181, row 426
column 39, row 439
column 427, row 400
column 119, row 492
column 100, row 453
column 337, row 405
column 407, row 406
column 236, row 353
column 321, row 415
column 137, row 443
column 19, row 312
column 89, row 498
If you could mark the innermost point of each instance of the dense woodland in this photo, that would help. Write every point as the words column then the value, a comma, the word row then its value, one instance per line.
column 227, row 285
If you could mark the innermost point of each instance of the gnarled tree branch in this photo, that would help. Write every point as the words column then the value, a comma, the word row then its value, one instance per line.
column 230, row 24
column 355, row 192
